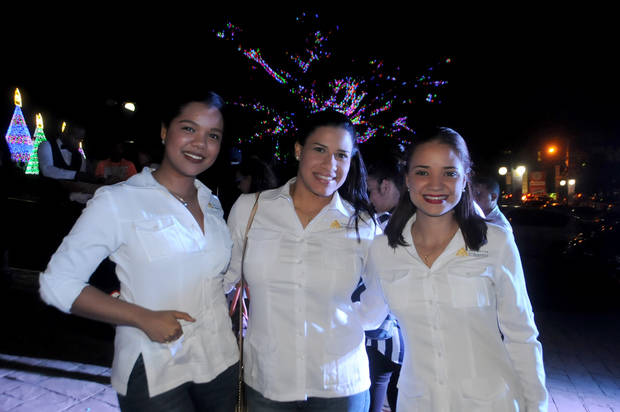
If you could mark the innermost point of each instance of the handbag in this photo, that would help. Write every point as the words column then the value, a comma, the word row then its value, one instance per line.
column 239, row 303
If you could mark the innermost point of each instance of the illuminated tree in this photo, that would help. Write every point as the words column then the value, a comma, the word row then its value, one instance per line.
column 33, row 163
column 18, row 135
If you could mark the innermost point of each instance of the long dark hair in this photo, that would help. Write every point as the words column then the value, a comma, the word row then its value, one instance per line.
column 472, row 225
column 354, row 189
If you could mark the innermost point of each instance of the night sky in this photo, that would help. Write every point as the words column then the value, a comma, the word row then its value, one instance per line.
column 517, row 77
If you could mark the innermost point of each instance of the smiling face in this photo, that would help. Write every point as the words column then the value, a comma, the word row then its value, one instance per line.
column 193, row 140
column 324, row 160
column 436, row 178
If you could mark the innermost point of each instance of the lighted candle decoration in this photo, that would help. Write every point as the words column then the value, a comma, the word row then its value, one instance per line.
column 372, row 101
column 81, row 150
column 39, row 134
column 18, row 135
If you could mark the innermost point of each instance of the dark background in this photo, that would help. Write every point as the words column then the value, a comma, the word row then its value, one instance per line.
column 519, row 76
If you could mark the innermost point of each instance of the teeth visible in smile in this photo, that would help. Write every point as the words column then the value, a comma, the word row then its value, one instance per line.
column 436, row 197
column 324, row 177
column 193, row 156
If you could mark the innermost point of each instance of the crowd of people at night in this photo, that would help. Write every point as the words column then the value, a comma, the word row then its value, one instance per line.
column 371, row 278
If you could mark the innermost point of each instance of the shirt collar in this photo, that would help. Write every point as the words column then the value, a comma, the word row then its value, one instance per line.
column 145, row 179
column 457, row 242
column 337, row 203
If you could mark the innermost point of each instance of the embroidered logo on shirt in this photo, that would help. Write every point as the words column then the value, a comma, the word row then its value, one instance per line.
column 335, row 225
column 480, row 253
column 462, row 252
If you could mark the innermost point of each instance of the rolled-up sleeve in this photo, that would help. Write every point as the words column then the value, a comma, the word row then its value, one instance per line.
column 95, row 235
column 516, row 321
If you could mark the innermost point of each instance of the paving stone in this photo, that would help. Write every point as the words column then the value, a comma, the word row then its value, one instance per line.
column 93, row 405
column 559, row 381
column 8, row 402
column 552, row 407
column 74, row 388
column 27, row 391
column 49, row 402
column 108, row 395
column 596, row 408
column 29, row 377
column 567, row 401
column 7, row 385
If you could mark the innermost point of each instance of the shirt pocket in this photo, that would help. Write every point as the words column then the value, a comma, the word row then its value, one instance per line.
column 261, row 253
column 403, row 287
column 471, row 289
column 165, row 237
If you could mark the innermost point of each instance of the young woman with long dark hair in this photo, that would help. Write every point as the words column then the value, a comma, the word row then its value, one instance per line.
column 457, row 287
column 174, row 348
column 306, row 251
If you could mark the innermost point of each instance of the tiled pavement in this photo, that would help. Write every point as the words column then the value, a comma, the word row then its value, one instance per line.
column 582, row 360
column 61, row 365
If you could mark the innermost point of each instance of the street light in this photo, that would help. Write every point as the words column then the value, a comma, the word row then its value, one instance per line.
column 130, row 106
column 502, row 171
column 562, row 182
column 571, row 182
column 552, row 149
column 520, row 170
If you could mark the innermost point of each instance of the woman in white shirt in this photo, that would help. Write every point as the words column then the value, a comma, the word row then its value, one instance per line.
column 456, row 285
column 174, row 347
column 305, row 254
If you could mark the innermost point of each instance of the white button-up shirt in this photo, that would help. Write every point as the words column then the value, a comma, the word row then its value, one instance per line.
column 305, row 337
column 451, row 315
column 497, row 218
column 164, row 262
column 46, row 161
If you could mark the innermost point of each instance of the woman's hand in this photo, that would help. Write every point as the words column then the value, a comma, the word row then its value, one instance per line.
column 163, row 326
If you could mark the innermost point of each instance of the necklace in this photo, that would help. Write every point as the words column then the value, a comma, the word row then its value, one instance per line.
column 177, row 197
column 180, row 199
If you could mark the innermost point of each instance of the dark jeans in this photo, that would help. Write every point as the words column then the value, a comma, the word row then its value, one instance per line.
column 354, row 403
column 219, row 395
column 383, row 379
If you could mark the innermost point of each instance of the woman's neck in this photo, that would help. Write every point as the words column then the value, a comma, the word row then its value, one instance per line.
column 179, row 185
column 432, row 230
column 306, row 200
column 307, row 204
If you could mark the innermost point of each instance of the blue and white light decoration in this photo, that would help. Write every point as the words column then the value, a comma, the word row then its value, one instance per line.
column 18, row 135
column 368, row 100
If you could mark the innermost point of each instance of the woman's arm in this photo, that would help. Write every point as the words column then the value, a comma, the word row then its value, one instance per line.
column 373, row 308
column 159, row 326
column 97, row 234
column 237, row 222
column 516, row 322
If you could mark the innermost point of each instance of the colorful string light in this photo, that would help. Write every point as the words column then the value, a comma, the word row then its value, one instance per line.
column 368, row 101
column 18, row 135
column 39, row 134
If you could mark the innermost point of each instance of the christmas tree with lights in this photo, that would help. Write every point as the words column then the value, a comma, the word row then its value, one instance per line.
column 33, row 163
column 18, row 135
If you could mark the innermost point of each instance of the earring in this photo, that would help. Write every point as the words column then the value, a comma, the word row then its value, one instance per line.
column 163, row 142
column 297, row 157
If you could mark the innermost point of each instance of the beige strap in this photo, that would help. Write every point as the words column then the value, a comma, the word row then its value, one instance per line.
column 241, row 302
